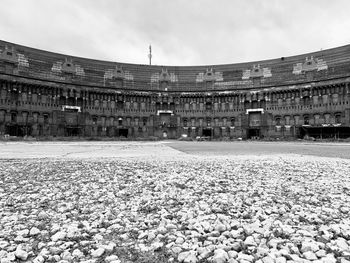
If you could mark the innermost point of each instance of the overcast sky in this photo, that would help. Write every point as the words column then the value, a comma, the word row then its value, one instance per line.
column 181, row 32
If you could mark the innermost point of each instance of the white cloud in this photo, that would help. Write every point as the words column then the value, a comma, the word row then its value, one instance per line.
column 181, row 32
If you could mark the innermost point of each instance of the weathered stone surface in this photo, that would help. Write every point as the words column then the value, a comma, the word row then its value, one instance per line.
column 21, row 254
column 191, row 257
column 111, row 258
column 39, row 259
column 220, row 256
column 98, row 252
column 329, row 258
column 342, row 244
column 309, row 246
column 77, row 253
column 249, row 241
column 187, row 211
column 245, row 257
column 280, row 260
column 309, row 255
column 59, row 236
column 187, row 257
column 232, row 254
column 34, row 231
column 220, row 227
column 268, row 259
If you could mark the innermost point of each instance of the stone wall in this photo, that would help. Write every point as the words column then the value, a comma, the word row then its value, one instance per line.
column 133, row 99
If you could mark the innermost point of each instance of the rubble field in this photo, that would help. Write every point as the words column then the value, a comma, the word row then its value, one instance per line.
column 185, row 208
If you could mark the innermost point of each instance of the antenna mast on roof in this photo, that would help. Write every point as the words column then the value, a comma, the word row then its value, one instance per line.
column 150, row 55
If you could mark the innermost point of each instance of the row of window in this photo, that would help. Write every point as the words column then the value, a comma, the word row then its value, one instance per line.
column 14, row 117
column 307, row 119
column 309, row 106
column 186, row 121
column 208, row 121
column 120, row 121
column 183, row 104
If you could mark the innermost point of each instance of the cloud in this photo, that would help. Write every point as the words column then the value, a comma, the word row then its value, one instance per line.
column 181, row 32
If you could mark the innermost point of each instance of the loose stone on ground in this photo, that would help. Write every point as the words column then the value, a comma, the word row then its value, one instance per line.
column 261, row 209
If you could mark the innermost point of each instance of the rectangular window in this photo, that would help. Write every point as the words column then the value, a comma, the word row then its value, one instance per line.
column 13, row 117
column 208, row 122
column 338, row 118
column 94, row 120
column 46, row 119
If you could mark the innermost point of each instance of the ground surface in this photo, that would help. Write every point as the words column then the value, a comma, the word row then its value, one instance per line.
column 174, row 201
column 168, row 148
column 341, row 150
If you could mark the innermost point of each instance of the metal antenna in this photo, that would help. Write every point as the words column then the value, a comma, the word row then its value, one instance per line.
column 150, row 55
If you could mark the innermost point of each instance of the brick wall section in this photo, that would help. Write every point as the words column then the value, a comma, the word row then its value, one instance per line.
column 285, row 97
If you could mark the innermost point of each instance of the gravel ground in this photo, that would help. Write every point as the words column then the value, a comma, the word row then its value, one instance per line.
column 174, row 207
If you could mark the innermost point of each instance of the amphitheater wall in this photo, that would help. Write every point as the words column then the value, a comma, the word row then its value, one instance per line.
column 49, row 94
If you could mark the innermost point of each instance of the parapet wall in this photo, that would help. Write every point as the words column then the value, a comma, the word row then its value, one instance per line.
column 312, row 67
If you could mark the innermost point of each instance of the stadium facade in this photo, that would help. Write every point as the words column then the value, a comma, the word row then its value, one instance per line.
column 49, row 94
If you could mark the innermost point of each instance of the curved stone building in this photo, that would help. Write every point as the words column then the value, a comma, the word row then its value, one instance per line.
column 49, row 94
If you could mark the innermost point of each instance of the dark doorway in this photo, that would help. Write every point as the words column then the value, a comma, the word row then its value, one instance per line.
column 254, row 134
column 343, row 132
column 12, row 130
column 123, row 133
column 207, row 132
column 72, row 131
column 17, row 130
column 330, row 132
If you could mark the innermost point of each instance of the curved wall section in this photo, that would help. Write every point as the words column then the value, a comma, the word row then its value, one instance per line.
column 49, row 94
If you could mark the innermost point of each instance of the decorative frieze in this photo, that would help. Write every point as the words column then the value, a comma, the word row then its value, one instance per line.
column 209, row 75
column 310, row 64
column 114, row 74
column 164, row 76
column 256, row 72
column 67, row 67
column 22, row 61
